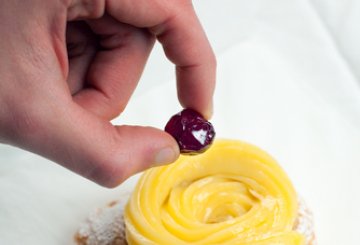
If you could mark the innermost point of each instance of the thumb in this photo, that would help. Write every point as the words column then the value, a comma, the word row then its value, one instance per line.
column 94, row 148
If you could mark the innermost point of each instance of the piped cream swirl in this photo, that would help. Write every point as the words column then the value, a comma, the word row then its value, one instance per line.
column 232, row 194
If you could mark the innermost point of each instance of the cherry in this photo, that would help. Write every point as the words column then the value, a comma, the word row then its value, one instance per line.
column 191, row 131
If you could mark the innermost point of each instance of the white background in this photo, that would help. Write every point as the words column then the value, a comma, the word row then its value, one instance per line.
column 288, row 81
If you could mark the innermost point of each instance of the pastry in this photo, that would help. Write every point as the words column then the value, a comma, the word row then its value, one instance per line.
column 234, row 193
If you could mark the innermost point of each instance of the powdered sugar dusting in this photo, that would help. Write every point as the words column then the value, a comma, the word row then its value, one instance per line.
column 305, row 223
column 104, row 227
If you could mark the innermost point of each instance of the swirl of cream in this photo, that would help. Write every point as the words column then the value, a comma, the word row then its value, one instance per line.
column 234, row 193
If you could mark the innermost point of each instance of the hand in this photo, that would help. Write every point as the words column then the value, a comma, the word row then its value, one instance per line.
column 68, row 67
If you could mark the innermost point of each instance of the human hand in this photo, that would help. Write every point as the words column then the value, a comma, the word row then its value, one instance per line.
column 68, row 67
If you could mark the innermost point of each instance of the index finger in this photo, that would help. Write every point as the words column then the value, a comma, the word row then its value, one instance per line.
column 177, row 27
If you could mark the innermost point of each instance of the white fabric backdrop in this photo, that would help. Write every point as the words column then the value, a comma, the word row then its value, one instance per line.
column 342, row 20
column 286, row 82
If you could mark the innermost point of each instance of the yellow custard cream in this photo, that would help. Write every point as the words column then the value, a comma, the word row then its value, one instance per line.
column 232, row 194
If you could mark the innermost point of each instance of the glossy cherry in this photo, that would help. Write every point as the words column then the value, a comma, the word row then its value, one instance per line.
column 192, row 132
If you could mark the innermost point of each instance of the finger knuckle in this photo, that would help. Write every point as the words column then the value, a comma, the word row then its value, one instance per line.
column 79, row 9
column 109, row 172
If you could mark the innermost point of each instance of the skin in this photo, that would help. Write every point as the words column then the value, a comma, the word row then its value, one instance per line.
column 68, row 67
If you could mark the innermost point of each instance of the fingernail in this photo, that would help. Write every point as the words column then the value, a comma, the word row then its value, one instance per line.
column 209, row 111
column 165, row 156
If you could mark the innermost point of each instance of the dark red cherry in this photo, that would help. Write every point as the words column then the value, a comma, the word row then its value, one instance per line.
column 192, row 132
